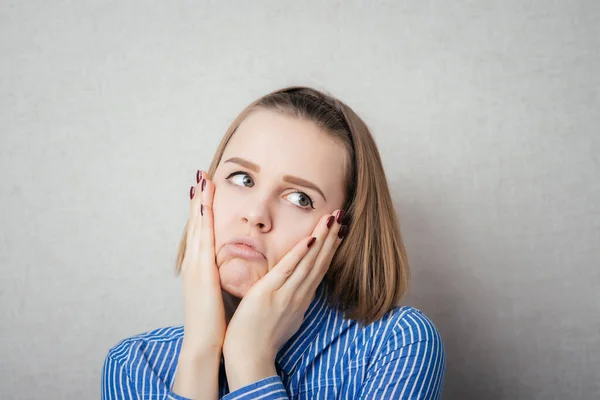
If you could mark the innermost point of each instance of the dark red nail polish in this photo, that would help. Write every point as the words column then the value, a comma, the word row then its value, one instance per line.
column 198, row 176
column 340, row 216
column 342, row 232
column 203, row 184
column 311, row 241
column 192, row 191
column 201, row 209
column 330, row 221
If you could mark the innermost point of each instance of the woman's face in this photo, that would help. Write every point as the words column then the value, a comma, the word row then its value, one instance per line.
column 278, row 176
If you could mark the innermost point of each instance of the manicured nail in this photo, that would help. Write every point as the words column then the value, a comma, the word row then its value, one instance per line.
column 340, row 216
column 342, row 232
column 311, row 241
column 192, row 191
column 198, row 176
column 201, row 209
column 330, row 221
column 203, row 184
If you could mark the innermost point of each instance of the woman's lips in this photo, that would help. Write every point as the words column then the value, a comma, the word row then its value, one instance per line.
column 243, row 251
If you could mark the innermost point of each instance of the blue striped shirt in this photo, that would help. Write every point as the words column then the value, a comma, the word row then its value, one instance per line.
column 400, row 356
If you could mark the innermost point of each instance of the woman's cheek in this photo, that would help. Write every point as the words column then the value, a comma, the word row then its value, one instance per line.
column 222, row 218
column 284, row 241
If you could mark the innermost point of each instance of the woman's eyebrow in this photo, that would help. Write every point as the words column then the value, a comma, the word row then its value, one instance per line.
column 302, row 182
column 244, row 163
column 286, row 178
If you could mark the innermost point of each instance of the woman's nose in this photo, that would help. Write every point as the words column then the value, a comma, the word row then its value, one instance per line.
column 258, row 218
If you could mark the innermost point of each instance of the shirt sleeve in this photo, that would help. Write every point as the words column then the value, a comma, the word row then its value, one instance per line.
column 115, row 381
column 117, row 385
column 411, row 364
column 270, row 388
column 173, row 396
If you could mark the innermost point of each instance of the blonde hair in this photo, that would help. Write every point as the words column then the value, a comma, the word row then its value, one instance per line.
column 369, row 273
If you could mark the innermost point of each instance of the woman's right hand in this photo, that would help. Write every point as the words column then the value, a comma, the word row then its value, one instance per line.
column 204, row 314
column 199, row 359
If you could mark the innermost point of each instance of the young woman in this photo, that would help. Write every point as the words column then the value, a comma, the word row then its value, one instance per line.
column 292, row 266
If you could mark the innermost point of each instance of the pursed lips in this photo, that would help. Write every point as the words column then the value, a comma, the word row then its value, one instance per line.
column 246, row 250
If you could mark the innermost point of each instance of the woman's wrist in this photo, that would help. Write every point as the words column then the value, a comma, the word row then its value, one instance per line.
column 243, row 370
column 197, row 374
column 192, row 351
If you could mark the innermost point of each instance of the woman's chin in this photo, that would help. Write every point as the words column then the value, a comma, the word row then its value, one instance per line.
column 237, row 276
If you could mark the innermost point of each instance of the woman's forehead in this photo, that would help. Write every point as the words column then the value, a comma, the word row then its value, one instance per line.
column 275, row 141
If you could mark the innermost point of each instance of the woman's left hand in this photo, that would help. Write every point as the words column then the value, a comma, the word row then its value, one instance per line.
column 273, row 308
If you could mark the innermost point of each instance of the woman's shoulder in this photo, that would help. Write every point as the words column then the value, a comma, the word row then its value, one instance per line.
column 142, row 363
column 409, row 319
column 405, row 326
column 146, row 341
column 400, row 353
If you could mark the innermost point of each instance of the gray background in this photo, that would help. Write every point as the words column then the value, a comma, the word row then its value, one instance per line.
column 486, row 114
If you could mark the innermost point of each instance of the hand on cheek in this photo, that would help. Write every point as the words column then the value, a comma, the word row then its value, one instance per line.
column 274, row 307
column 204, row 315
column 203, row 307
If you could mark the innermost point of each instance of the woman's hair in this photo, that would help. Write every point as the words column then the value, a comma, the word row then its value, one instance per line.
column 369, row 272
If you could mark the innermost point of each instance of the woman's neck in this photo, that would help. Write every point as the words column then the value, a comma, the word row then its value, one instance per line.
column 230, row 303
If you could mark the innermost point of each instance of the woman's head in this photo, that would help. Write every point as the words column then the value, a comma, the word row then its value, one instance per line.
column 289, row 158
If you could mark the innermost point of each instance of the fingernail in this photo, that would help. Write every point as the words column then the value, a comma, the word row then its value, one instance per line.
column 192, row 191
column 330, row 221
column 201, row 209
column 198, row 176
column 311, row 241
column 203, row 184
column 340, row 216
column 342, row 232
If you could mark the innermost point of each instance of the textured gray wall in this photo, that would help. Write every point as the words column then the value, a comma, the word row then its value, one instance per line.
column 486, row 114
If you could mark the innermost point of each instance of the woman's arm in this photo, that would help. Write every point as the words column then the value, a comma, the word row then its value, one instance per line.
column 197, row 375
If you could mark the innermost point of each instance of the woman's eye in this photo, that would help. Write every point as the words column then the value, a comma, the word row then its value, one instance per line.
column 301, row 199
column 241, row 179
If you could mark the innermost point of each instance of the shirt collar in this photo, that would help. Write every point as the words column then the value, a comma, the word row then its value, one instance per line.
column 314, row 319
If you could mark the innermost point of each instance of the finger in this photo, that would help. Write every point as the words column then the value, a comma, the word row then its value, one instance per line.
column 277, row 276
column 195, row 200
column 194, row 194
column 207, row 235
column 331, row 243
column 305, row 265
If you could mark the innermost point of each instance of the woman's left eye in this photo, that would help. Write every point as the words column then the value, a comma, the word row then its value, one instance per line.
column 304, row 200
